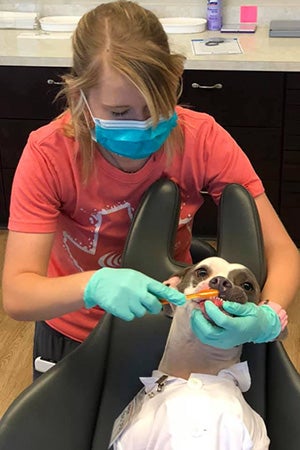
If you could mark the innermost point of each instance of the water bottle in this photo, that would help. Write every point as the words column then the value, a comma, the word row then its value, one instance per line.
column 214, row 15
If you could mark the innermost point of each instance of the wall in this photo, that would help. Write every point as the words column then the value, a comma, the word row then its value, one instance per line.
column 267, row 9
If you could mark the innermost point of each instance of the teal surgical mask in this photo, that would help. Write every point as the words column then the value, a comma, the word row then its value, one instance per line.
column 132, row 139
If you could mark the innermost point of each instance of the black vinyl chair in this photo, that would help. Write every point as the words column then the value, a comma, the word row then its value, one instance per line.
column 73, row 406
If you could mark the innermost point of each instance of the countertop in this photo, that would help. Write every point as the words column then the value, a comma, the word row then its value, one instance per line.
column 260, row 53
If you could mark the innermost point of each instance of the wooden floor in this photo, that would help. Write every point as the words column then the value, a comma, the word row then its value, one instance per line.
column 16, row 347
column 15, row 350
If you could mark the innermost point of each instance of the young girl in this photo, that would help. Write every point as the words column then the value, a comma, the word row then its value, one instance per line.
column 88, row 169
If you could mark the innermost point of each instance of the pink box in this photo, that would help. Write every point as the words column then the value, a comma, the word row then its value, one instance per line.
column 248, row 14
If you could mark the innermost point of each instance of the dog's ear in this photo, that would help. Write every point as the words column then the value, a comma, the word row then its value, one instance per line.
column 173, row 281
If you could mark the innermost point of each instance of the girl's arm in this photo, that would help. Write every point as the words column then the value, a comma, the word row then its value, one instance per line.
column 28, row 294
column 282, row 255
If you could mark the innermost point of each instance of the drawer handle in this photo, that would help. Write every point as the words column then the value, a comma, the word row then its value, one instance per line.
column 50, row 81
column 212, row 86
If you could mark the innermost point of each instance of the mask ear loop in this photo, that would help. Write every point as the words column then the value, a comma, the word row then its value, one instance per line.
column 88, row 123
column 86, row 104
column 180, row 88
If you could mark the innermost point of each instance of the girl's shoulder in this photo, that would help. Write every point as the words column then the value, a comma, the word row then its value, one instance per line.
column 54, row 130
column 186, row 113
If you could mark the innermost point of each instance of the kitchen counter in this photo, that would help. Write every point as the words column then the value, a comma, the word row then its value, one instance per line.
column 260, row 53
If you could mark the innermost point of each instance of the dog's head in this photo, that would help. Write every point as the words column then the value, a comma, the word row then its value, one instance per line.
column 234, row 282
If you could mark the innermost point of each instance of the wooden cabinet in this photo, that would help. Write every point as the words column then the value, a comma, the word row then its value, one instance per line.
column 26, row 93
column 290, row 187
column 27, row 102
column 3, row 207
column 249, row 105
column 13, row 137
column 236, row 98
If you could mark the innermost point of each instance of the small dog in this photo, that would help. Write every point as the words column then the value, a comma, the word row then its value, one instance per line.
column 194, row 400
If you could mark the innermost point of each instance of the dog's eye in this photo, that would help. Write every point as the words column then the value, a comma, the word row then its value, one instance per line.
column 247, row 286
column 201, row 272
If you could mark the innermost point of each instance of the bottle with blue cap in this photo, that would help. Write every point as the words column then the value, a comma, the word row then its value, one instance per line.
column 214, row 15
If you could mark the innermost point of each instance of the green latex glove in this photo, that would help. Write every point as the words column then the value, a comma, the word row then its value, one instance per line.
column 251, row 323
column 127, row 293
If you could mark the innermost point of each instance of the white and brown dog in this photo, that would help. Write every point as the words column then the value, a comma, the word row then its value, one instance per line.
column 195, row 397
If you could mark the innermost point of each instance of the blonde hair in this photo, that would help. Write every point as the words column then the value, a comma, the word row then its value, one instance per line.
column 131, row 40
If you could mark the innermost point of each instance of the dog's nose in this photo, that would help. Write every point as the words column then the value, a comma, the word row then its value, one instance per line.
column 221, row 284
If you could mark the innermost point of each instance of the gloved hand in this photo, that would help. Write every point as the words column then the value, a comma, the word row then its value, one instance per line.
column 252, row 324
column 127, row 293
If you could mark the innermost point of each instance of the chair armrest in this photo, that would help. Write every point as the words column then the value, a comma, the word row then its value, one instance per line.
column 283, row 399
column 59, row 410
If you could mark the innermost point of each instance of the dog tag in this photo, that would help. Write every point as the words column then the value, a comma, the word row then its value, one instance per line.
column 127, row 416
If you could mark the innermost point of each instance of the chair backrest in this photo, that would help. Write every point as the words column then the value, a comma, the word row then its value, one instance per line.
column 149, row 246
column 240, row 237
column 74, row 405
column 150, row 241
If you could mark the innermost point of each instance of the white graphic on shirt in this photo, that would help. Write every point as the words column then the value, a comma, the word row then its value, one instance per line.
column 108, row 260
column 186, row 220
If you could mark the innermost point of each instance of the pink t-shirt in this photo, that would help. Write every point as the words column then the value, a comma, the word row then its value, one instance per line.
column 91, row 221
